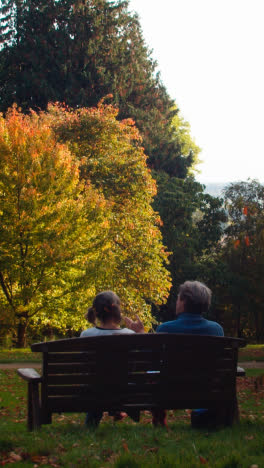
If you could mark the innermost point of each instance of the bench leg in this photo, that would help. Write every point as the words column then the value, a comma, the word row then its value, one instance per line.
column 232, row 415
column 228, row 415
column 46, row 418
column 33, row 406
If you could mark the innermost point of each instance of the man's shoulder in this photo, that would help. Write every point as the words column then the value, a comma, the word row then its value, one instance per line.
column 215, row 328
column 189, row 326
column 167, row 326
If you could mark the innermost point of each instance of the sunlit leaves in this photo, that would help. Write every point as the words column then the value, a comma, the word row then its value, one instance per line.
column 133, row 257
column 47, row 215
column 76, row 216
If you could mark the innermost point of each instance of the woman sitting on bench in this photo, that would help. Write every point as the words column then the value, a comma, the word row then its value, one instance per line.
column 106, row 309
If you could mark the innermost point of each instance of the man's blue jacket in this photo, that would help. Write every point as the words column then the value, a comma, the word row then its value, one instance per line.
column 193, row 324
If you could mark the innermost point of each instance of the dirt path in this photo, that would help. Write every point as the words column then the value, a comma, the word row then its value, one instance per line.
column 25, row 365
column 20, row 365
column 252, row 364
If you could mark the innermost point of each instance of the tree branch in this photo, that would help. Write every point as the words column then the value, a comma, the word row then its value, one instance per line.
column 5, row 289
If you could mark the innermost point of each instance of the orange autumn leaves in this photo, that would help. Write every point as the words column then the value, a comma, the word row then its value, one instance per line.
column 76, row 215
column 246, row 238
column 47, row 216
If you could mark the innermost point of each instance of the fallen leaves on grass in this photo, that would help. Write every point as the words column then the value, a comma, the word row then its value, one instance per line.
column 202, row 459
column 251, row 401
column 44, row 460
column 19, row 456
column 14, row 457
column 125, row 446
column 151, row 450
column 106, row 454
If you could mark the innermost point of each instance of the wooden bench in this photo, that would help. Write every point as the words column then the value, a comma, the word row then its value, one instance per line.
column 126, row 372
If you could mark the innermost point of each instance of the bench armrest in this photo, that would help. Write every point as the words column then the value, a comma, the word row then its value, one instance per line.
column 30, row 375
column 240, row 372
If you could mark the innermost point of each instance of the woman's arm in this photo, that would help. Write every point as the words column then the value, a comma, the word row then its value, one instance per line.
column 137, row 326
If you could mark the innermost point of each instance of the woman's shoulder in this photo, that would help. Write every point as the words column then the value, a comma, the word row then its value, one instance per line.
column 88, row 332
column 125, row 331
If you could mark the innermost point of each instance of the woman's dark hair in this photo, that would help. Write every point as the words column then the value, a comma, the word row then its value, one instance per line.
column 91, row 315
column 106, row 306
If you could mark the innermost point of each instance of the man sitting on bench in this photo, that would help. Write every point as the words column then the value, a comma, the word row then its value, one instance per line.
column 193, row 301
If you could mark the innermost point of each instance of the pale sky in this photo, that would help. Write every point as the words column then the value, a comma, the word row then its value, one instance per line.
column 210, row 55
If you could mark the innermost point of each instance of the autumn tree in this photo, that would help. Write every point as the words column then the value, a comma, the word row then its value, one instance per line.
column 133, row 260
column 243, row 253
column 75, row 217
column 48, row 218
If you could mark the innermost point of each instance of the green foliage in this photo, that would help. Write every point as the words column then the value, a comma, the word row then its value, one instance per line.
column 243, row 253
column 192, row 226
column 76, row 218
column 178, row 142
column 132, row 260
column 234, row 267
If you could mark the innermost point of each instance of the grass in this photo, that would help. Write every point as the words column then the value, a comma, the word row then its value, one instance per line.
column 252, row 353
column 67, row 443
column 19, row 355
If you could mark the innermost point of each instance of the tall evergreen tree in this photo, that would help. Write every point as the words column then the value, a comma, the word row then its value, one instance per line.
column 192, row 227
column 78, row 51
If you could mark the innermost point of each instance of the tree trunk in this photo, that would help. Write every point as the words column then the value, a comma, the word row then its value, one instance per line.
column 257, row 326
column 238, row 313
column 21, row 334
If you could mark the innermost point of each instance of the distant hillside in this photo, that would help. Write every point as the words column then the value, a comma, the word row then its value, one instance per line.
column 215, row 188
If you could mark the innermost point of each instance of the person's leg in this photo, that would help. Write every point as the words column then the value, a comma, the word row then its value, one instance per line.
column 118, row 415
column 159, row 417
column 206, row 418
column 93, row 418
column 134, row 414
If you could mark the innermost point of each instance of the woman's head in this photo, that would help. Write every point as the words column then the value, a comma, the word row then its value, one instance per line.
column 106, row 307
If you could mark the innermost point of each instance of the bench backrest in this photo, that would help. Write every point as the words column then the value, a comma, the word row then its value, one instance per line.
column 114, row 372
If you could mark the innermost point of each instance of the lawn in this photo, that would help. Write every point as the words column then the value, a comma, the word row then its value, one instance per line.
column 252, row 353
column 67, row 443
column 19, row 355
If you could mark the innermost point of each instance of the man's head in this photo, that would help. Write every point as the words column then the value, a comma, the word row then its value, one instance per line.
column 194, row 297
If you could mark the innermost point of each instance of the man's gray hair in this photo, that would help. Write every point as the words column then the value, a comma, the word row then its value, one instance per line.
column 196, row 296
